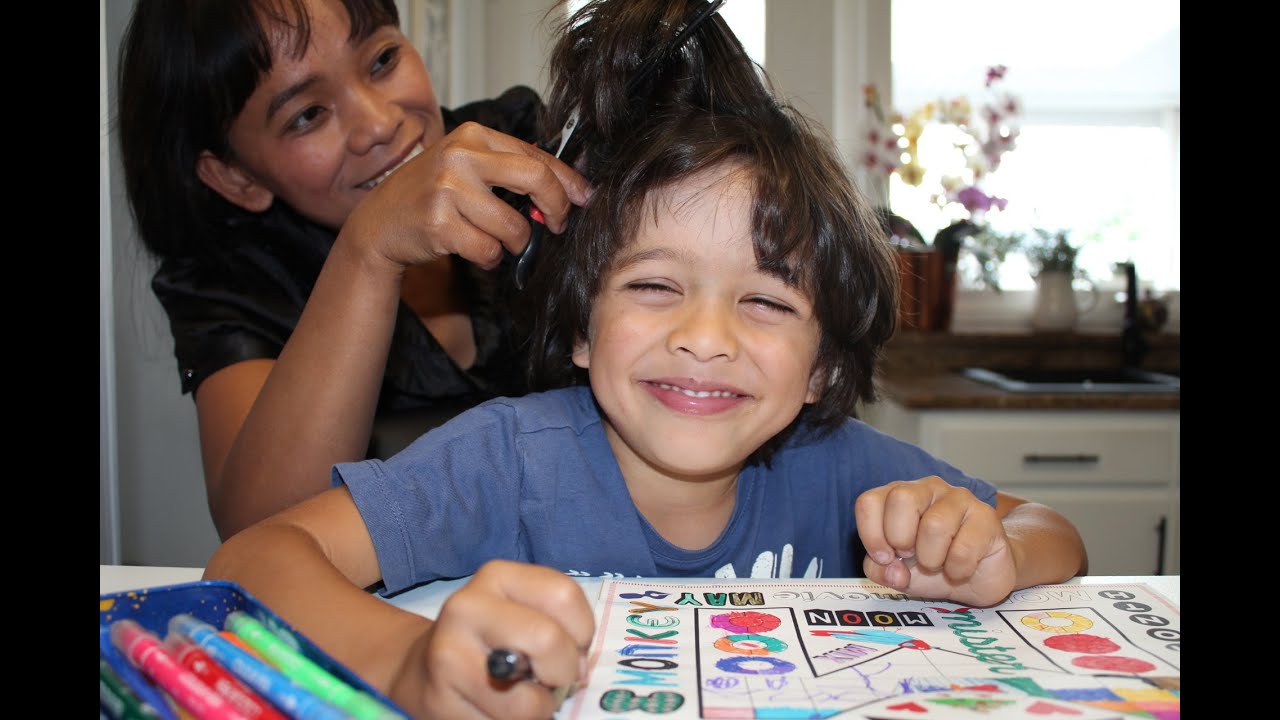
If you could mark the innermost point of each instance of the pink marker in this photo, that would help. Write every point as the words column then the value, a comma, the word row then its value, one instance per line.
column 144, row 649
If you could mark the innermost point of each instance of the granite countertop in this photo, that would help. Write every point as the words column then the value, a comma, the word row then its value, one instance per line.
column 920, row 370
column 951, row 390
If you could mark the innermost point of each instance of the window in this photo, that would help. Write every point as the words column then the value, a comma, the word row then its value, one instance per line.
column 1098, row 151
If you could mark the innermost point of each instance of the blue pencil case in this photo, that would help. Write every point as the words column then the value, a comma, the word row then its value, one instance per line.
column 210, row 601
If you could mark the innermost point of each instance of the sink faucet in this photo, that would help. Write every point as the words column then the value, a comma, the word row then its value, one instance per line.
column 1132, row 346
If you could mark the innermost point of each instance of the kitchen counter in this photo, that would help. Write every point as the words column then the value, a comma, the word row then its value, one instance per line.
column 919, row 370
column 950, row 390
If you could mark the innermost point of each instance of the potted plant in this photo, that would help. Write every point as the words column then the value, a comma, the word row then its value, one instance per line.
column 1050, row 252
column 1053, row 265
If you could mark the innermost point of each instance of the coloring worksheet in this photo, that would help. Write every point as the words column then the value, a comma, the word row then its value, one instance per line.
column 790, row 649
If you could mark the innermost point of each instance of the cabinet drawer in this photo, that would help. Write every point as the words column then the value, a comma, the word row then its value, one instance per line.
column 1007, row 448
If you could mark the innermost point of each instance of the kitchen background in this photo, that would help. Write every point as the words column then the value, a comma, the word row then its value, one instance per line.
column 1097, row 88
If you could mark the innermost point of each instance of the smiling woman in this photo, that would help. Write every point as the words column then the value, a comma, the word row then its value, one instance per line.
column 331, row 247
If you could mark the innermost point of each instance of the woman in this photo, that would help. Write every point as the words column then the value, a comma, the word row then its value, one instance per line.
column 331, row 248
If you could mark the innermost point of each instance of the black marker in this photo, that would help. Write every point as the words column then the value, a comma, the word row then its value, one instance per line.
column 511, row 665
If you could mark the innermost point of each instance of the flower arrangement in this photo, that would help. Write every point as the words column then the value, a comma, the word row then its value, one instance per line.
column 892, row 147
column 892, row 142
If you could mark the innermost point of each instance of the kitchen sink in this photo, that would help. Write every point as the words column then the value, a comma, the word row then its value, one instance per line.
column 1076, row 380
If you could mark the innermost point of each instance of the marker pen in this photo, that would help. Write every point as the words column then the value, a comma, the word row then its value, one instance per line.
column 291, row 698
column 306, row 672
column 514, row 665
column 119, row 700
column 145, row 650
column 190, row 656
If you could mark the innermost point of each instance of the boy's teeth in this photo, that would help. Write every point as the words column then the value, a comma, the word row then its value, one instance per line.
column 417, row 150
column 696, row 393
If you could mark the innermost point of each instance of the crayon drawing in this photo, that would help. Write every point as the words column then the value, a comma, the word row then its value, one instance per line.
column 786, row 650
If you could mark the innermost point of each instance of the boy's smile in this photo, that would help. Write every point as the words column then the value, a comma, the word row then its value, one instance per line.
column 696, row 356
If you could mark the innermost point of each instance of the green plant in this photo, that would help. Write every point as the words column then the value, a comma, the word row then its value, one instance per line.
column 990, row 247
column 1051, row 252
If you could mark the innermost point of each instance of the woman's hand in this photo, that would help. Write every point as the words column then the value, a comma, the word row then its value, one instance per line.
column 934, row 540
column 520, row 607
column 442, row 202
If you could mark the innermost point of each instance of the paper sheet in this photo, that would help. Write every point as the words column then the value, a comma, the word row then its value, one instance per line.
column 793, row 649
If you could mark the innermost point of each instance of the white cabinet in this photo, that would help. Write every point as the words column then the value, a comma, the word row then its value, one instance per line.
column 1115, row 474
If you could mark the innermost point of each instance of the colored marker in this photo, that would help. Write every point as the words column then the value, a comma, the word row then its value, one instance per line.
column 234, row 639
column 290, row 697
column 514, row 665
column 143, row 649
column 120, row 702
column 306, row 672
column 190, row 656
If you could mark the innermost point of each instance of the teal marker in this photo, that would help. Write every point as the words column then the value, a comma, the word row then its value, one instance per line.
column 121, row 703
column 306, row 672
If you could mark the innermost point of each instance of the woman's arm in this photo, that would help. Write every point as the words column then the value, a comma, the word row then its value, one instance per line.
column 271, row 430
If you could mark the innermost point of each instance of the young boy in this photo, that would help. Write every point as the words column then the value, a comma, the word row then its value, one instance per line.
column 726, row 292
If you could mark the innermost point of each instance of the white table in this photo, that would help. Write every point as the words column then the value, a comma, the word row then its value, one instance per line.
column 427, row 599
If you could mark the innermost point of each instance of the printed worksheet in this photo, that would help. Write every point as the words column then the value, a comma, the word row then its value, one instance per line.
column 790, row 649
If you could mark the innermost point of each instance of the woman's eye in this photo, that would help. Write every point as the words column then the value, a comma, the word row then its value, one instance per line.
column 386, row 59
column 305, row 119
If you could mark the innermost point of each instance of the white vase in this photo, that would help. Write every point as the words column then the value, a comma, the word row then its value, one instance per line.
column 1058, row 306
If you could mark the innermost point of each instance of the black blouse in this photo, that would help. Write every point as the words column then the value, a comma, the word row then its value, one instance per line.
column 247, row 307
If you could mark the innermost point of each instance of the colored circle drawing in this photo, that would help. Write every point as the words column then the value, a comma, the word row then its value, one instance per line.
column 750, row 644
column 748, row 665
column 746, row 621
column 1057, row 621
column 1082, row 643
column 1113, row 663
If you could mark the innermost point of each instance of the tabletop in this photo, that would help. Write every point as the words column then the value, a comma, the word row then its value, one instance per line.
column 427, row 599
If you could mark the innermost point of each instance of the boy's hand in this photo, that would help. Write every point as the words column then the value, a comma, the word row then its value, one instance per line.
column 527, row 608
column 933, row 540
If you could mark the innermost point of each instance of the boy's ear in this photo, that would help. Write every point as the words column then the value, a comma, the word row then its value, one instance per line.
column 582, row 354
column 817, row 381
column 233, row 183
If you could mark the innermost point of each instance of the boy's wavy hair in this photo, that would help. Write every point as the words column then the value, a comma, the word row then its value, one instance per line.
column 705, row 105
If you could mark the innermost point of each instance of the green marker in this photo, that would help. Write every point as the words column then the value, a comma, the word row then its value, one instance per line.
column 121, row 703
column 306, row 672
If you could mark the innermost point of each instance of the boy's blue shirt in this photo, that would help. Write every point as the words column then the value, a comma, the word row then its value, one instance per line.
column 534, row 479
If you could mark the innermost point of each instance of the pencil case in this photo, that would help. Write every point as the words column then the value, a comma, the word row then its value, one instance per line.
column 210, row 601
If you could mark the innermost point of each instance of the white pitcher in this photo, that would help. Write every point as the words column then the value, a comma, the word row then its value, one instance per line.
column 1058, row 306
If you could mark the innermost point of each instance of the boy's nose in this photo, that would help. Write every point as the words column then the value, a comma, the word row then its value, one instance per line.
column 706, row 331
column 373, row 119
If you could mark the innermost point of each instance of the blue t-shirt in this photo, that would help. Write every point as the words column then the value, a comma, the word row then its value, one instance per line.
column 534, row 479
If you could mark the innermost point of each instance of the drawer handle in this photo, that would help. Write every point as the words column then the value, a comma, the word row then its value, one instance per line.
column 1079, row 458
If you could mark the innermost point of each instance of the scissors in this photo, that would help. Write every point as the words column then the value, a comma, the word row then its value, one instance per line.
column 524, row 266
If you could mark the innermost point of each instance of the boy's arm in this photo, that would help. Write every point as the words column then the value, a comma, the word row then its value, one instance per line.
column 310, row 565
column 1047, row 548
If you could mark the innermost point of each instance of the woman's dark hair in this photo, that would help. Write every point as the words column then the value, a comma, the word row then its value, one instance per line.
column 186, row 69
column 706, row 105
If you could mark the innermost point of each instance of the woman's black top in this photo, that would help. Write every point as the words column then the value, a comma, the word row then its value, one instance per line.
column 246, row 307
